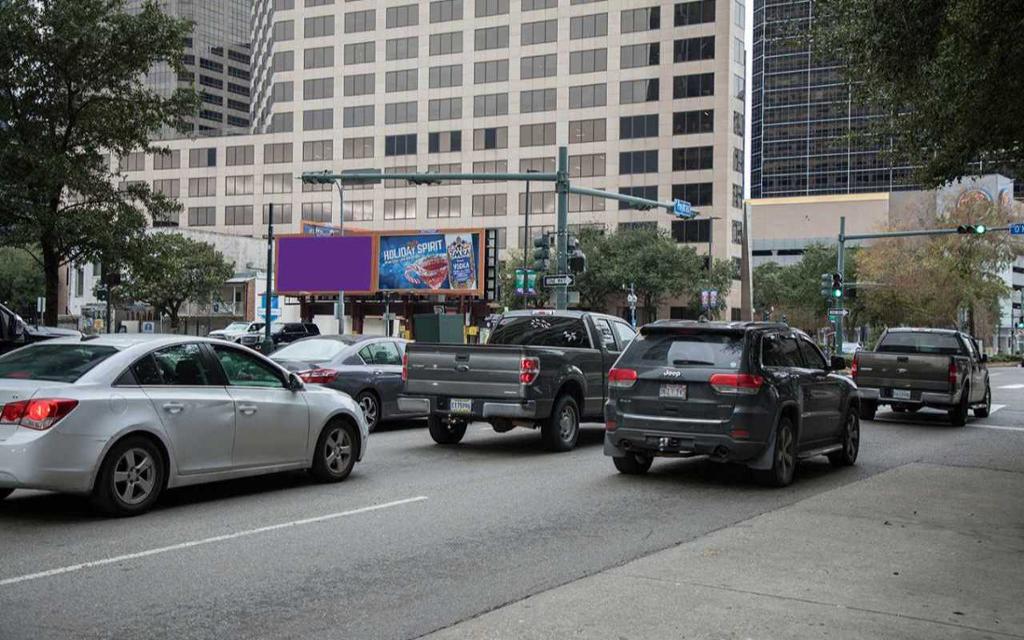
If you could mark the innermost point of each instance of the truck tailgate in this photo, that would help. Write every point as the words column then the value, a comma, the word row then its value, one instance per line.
column 464, row 371
column 920, row 372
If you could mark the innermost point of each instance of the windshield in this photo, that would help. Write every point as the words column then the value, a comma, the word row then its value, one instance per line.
column 716, row 350
column 310, row 350
column 920, row 342
column 53, row 362
column 237, row 326
column 541, row 331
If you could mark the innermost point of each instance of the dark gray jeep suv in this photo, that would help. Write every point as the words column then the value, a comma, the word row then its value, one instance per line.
column 757, row 393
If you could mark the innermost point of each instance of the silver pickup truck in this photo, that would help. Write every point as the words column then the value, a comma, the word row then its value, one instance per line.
column 914, row 368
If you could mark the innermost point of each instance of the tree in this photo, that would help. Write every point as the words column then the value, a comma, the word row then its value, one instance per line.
column 170, row 270
column 795, row 290
column 508, row 298
column 769, row 287
column 597, row 284
column 72, row 94
column 21, row 280
column 945, row 76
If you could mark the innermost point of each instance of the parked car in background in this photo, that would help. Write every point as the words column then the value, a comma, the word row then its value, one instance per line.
column 286, row 332
column 15, row 332
column 122, row 417
column 241, row 332
column 539, row 368
column 914, row 368
column 368, row 368
column 761, row 394
column 851, row 347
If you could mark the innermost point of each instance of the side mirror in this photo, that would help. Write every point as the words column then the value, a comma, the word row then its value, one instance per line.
column 983, row 358
column 836, row 363
column 294, row 382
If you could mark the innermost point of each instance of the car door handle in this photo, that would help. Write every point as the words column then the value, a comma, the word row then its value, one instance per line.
column 247, row 409
column 378, row 372
column 173, row 407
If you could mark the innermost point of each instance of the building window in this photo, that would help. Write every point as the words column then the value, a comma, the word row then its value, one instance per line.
column 400, row 145
column 277, row 183
column 167, row 160
column 444, row 207
column 578, row 203
column 490, row 71
column 635, row 91
column 317, row 88
column 402, row 48
column 688, row 122
column 238, row 185
column 691, row 231
column 444, row 141
column 358, row 85
column 538, row 165
column 444, row 109
column 202, row 216
column 495, row 104
column 696, row 193
column 693, row 86
column 692, row 158
column 407, row 15
column 282, row 213
column 405, row 80
column 201, row 157
column 361, row 116
column 445, row 76
column 490, row 205
column 587, row 165
column 400, row 209
column 446, row 167
column 587, row 131
column 360, row 53
column 643, row 19
column 202, row 187
column 545, row 66
column 650, row 193
column 640, row 55
column 737, row 160
column 631, row 162
column 354, row 148
column 491, row 38
column 698, row 12
column 590, row 26
column 284, row 5
column 395, row 184
column 632, row 127
column 588, row 95
column 359, row 21
column 691, row 49
column 442, row 44
column 400, row 112
column 443, row 11
column 491, row 8
column 281, row 122
column 283, row 30
column 320, row 26
column 240, row 155
column 490, row 138
column 282, row 92
column 737, row 196
column 589, row 61
column 238, row 214
column 737, row 232
column 284, row 61
column 316, row 211
column 534, row 5
column 738, row 126
column 317, row 119
column 489, row 166
column 170, row 188
column 539, row 32
column 535, row 135
column 277, row 152
column 318, row 58
column 357, row 210
column 540, row 202
column 537, row 100
column 313, row 150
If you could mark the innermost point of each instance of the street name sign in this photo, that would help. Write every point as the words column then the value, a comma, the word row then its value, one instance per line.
column 838, row 312
column 1017, row 229
column 561, row 280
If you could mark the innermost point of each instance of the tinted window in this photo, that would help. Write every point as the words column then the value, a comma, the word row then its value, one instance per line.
column 541, row 331
column 56, row 362
column 812, row 357
column 244, row 370
column 312, row 329
column 605, row 331
column 780, row 351
column 625, row 332
column 920, row 342
column 382, row 353
column 718, row 350
column 180, row 365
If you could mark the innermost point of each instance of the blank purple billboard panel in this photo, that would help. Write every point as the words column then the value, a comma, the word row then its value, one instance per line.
column 324, row 264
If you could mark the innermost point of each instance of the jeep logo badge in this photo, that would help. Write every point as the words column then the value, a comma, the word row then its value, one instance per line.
column 672, row 373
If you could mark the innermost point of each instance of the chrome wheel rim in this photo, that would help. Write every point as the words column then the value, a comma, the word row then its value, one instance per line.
column 566, row 423
column 369, row 407
column 785, row 452
column 852, row 437
column 134, row 476
column 337, row 450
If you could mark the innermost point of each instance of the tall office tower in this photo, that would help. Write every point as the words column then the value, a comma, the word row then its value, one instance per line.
column 802, row 116
column 217, row 63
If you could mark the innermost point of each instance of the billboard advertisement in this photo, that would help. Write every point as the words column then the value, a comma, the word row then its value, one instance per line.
column 446, row 262
column 324, row 264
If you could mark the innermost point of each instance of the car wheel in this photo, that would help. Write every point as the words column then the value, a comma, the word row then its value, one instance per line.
column 983, row 412
column 5, row 492
column 371, row 409
column 633, row 464
column 851, row 442
column 868, row 409
column 784, row 456
column 131, row 478
column 335, row 452
column 444, row 432
column 958, row 416
column 562, row 428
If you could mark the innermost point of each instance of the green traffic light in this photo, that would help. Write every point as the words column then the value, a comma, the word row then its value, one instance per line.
column 837, row 293
column 979, row 229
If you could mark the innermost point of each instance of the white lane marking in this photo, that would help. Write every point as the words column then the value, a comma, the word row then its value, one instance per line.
column 996, row 407
column 1011, row 386
column 195, row 543
column 996, row 426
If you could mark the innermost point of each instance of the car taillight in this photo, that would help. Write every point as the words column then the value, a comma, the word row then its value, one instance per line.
column 736, row 383
column 622, row 378
column 953, row 372
column 854, row 366
column 405, row 367
column 610, row 425
column 39, row 414
column 529, row 369
column 318, row 376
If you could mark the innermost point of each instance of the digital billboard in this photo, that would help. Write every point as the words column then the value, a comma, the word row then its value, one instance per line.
column 445, row 262
column 324, row 264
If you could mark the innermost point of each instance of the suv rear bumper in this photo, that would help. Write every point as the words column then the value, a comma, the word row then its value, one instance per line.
column 652, row 442
column 482, row 408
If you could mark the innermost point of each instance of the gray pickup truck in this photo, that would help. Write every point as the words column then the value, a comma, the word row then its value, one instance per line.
column 539, row 368
column 914, row 368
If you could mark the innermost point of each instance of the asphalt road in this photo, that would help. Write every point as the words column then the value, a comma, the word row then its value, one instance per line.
column 419, row 538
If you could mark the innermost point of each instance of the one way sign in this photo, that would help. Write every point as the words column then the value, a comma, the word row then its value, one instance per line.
column 563, row 280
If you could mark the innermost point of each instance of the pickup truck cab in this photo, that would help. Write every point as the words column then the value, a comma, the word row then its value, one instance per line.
column 914, row 368
column 539, row 368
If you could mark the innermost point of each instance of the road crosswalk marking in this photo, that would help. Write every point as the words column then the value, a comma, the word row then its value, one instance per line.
column 1011, row 386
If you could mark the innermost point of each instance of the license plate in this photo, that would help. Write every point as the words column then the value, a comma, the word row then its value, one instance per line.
column 901, row 394
column 677, row 391
column 460, row 406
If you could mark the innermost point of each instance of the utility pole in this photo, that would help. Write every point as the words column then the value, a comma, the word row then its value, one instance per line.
column 562, row 228
column 526, row 242
column 631, row 300
column 341, row 294
column 268, row 342
column 840, row 264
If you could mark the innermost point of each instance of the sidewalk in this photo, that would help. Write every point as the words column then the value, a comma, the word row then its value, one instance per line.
column 920, row 551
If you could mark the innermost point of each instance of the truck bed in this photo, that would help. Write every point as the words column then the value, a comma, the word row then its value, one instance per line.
column 471, row 371
column 915, row 372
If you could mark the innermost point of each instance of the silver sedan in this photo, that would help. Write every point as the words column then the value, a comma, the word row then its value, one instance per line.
column 123, row 417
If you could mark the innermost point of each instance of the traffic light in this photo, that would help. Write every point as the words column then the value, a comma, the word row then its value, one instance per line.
column 837, row 285
column 972, row 229
column 542, row 252
column 826, row 285
column 101, row 293
column 577, row 260
column 317, row 177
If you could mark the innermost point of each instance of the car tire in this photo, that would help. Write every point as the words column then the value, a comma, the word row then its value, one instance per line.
column 958, row 415
column 868, row 409
column 445, row 433
column 561, row 430
column 370, row 405
column 5, row 492
column 633, row 464
column 983, row 412
column 783, row 456
column 131, row 478
column 335, row 452
column 851, row 442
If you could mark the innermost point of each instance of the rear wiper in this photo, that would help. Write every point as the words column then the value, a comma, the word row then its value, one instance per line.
column 682, row 362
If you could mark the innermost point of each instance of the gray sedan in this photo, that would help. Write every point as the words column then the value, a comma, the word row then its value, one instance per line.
column 122, row 417
column 368, row 368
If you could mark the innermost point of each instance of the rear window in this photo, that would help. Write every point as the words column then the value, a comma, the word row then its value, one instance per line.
column 713, row 350
column 311, row 350
column 53, row 362
column 922, row 342
column 541, row 331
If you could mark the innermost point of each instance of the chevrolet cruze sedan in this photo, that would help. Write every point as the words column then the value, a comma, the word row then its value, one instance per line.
column 120, row 418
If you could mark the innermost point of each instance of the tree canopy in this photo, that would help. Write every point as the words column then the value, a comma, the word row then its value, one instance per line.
column 21, row 280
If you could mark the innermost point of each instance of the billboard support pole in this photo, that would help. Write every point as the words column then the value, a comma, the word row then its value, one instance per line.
column 562, row 238
column 341, row 294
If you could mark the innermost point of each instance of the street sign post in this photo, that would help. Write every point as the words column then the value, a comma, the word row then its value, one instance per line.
column 561, row 280
column 682, row 209
column 1017, row 229
column 833, row 313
